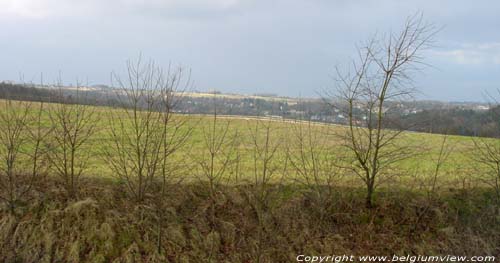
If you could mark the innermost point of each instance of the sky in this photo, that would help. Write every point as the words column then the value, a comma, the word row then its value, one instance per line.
column 286, row 47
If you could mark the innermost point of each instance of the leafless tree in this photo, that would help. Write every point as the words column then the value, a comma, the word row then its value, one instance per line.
column 220, row 143
column 73, row 125
column 218, row 154
column 382, row 73
column 486, row 153
column 174, row 134
column 21, row 147
column 430, row 184
column 267, row 166
column 315, row 163
column 145, row 132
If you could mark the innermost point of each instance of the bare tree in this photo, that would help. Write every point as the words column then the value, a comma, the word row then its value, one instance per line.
column 219, row 153
column 220, row 143
column 21, row 148
column 174, row 134
column 73, row 124
column 315, row 163
column 266, row 141
column 486, row 153
column 145, row 132
column 430, row 184
column 381, row 74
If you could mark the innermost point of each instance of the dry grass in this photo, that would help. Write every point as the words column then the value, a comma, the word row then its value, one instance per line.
column 104, row 226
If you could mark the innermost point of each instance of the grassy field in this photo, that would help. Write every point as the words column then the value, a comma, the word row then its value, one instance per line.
column 458, row 168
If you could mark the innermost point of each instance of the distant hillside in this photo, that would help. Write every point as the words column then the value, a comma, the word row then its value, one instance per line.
column 458, row 118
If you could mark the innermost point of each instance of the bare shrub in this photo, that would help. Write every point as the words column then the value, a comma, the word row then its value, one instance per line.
column 73, row 125
column 315, row 163
column 267, row 166
column 175, row 131
column 220, row 145
column 22, row 136
column 430, row 184
column 486, row 155
column 145, row 132
column 219, row 154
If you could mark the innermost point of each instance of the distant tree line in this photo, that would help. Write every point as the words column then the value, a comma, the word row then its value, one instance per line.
column 30, row 92
column 465, row 122
column 434, row 119
column 25, row 92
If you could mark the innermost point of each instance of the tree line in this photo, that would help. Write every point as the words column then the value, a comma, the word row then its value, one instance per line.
column 434, row 119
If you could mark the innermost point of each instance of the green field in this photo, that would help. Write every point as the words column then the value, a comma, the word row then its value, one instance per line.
column 457, row 170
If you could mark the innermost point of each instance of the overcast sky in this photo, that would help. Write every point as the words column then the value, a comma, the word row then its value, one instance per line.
column 288, row 47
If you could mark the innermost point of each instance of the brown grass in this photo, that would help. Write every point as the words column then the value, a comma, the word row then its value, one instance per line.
column 104, row 226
